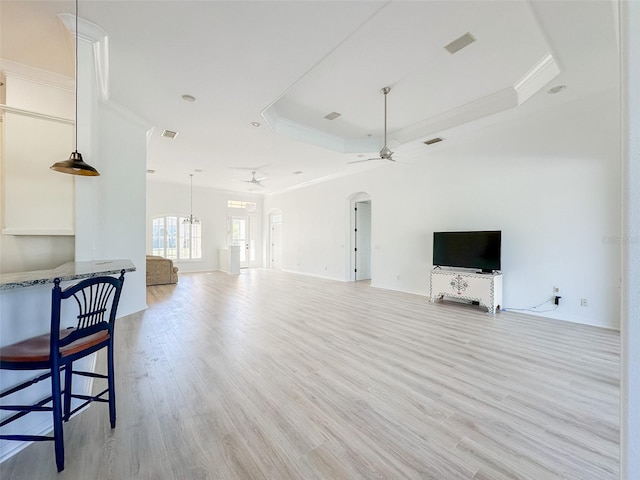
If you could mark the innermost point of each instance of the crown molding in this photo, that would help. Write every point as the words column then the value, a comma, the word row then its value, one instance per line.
column 124, row 112
column 541, row 73
column 35, row 75
column 491, row 104
column 95, row 35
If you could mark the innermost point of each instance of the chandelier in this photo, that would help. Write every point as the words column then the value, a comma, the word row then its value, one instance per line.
column 191, row 220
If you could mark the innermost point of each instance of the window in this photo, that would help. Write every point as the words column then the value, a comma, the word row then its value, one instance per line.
column 248, row 206
column 172, row 238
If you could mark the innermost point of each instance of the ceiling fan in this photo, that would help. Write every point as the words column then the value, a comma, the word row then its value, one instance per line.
column 385, row 153
column 255, row 181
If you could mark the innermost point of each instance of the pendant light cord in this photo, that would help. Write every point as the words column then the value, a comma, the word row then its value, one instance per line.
column 385, row 117
column 76, row 80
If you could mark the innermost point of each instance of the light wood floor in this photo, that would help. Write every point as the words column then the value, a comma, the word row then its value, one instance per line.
column 270, row 375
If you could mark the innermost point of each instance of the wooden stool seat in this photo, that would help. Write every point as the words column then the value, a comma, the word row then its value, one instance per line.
column 37, row 349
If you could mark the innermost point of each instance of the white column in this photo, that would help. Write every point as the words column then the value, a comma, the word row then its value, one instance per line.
column 89, row 88
column 87, row 187
column 630, row 321
column 110, row 209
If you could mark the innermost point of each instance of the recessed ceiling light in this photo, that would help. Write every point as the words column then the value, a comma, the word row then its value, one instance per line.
column 197, row 170
column 188, row 98
column 297, row 172
column 556, row 89
column 255, row 124
column 332, row 115
column 169, row 134
column 149, row 170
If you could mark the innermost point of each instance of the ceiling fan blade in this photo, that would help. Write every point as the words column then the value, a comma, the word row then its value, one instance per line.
column 250, row 169
column 365, row 160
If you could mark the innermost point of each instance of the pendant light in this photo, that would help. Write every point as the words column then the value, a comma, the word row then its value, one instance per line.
column 75, row 165
column 191, row 220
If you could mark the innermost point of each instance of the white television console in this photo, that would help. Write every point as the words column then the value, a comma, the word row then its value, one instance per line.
column 484, row 288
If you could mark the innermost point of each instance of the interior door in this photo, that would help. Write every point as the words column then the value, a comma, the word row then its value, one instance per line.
column 276, row 241
column 239, row 235
column 363, row 241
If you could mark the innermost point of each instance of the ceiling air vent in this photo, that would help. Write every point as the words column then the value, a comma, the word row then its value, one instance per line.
column 169, row 134
column 433, row 140
column 332, row 115
column 459, row 43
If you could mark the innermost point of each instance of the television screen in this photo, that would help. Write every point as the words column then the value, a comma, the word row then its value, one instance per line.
column 479, row 250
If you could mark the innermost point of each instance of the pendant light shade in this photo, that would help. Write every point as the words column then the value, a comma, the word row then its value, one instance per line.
column 75, row 165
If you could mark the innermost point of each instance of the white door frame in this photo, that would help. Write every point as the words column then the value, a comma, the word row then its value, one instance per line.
column 350, row 253
column 275, row 251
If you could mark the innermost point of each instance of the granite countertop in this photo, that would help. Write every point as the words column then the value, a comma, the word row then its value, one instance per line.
column 65, row 272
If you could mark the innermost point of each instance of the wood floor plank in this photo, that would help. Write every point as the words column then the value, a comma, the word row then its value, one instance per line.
column 272, row 375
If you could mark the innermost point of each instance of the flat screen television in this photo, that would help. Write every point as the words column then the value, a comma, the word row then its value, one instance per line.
column 480, row 250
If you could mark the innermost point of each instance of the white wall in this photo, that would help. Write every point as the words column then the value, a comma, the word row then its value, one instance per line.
column 210, row 206
column 121, row 207
column 549, row 181
column 110, row 209
column 35, row 201
column 630, row 240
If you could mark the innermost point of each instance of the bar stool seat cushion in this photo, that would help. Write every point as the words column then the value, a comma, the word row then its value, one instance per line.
column 36, row 349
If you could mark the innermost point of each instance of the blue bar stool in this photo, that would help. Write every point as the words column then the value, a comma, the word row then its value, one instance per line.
column 96, row 303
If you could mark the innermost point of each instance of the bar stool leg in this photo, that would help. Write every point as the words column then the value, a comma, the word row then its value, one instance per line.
column 68, row 375
column 112, row 386
column 57, row 418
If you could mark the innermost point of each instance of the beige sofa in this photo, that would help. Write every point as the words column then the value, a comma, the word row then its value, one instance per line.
column 160, row 271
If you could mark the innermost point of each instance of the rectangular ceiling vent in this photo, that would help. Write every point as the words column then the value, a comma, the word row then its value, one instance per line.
column 169, row 134
column 332, row 115
column 459, row 43
column 433, row 140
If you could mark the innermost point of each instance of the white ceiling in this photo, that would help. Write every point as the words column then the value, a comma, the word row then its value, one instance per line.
column 288, row 64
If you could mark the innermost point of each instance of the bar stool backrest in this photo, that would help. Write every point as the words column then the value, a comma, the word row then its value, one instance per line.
column 97, row 301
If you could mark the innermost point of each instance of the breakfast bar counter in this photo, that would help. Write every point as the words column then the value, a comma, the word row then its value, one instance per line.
column 65, row 272
column 25, row 311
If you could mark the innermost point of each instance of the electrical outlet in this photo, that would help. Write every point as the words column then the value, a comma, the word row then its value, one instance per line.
column 556, row 290
column 583, row 302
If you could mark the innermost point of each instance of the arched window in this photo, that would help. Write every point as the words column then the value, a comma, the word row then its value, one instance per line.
column 172, row 236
